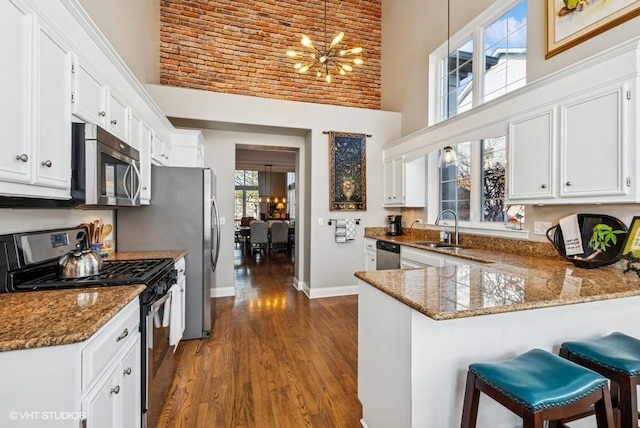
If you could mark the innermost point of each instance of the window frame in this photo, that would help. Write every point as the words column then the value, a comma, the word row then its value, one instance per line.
column 475, row 223
column 475, row 31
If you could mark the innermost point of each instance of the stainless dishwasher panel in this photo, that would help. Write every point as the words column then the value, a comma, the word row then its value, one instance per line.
column 387, row 255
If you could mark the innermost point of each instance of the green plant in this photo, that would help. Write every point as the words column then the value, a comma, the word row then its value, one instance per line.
column 603, row 236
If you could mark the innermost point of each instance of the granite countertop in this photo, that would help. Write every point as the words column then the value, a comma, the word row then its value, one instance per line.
column 59, row 317
column 131, row 255
column 503, row 282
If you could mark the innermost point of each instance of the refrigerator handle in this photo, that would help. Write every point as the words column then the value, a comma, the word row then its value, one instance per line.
column 214, row 215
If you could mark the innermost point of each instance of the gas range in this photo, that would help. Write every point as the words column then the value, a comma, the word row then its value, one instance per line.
column 28, row 262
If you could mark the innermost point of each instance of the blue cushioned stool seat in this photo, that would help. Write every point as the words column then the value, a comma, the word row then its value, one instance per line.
column 539, row 379
column 538, row 386
column 616, row 351
column 617, row 357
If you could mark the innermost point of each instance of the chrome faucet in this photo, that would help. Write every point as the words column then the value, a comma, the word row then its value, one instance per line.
column 455, row 223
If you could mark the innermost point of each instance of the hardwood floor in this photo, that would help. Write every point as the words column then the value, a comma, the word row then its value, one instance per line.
column 274, row 358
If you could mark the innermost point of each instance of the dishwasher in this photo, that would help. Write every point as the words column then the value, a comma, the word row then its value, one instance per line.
column 387, row 255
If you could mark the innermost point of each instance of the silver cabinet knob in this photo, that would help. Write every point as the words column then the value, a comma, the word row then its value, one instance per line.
column 114, row 122
column 543, row 186
column 23, row 157
column 47, row 163
column 127, row 371
column 102, row 113
column 568, row 183
column 144, row 187
column 115, row 390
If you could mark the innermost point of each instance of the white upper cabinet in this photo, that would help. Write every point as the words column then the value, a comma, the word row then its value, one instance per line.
column 35, row 107
column 188, row 148
column 95, row 102
column 583, row 154
column 160, row 151
column 146, row 137
column 594, row 143
column 53, row 137
column 16, row 28
column 531, row 162
column 404, row 182
column 88, row 96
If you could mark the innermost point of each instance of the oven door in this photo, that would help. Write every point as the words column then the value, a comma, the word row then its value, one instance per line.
column 159, row 360
column 112, row 178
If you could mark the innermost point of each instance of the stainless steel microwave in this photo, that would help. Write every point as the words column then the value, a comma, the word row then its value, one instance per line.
column 105, row 172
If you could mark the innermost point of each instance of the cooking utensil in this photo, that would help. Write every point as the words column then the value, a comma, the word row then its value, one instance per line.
column 79, row 263
column 105, row 231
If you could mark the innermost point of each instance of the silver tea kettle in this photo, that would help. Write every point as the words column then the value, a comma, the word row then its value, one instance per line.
column 79, row 263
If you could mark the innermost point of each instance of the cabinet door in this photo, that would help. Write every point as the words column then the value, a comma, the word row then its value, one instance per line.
column 118, row 117
column 594, row 145
column 531, row 165
column 157, row 150
column 131, row 378
column 53, row 112
column 387, row 189
column 135, row 130
column 101, row 405
column 88, row 100
column 393, row 189
column 146, row 137
column 16, row 31
column 398, row 180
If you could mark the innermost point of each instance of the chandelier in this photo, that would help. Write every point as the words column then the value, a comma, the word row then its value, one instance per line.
column 327, row 58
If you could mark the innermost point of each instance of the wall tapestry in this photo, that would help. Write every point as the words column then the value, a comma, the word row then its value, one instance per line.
column 348, row 175
column 571, row 22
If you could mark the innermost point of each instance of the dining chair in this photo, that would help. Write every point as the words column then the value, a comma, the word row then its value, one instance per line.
column 279, row 236
column 259, row 235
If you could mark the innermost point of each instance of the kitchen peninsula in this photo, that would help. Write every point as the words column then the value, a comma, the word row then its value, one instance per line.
column 419, row 329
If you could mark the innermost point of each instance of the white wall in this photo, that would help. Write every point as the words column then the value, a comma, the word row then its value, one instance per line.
column 28, row 220
column 331, row 265
column 412, row 29
column 133, row 28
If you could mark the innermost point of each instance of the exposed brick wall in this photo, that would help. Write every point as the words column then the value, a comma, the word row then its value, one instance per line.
column 238, row 47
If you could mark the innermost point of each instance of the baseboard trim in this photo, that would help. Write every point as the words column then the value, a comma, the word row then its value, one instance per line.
column 363, row 423
column 223, row 292
column 319, row 293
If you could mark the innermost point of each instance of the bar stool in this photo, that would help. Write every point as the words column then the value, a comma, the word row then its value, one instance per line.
column 616, row 357
column 537, row 386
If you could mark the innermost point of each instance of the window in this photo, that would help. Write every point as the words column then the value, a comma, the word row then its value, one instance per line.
column 490, row 53
column 246, row 194
column 474, row 187
column 291, row 194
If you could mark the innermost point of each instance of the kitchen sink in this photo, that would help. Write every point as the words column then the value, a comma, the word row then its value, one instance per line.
column 439, row 245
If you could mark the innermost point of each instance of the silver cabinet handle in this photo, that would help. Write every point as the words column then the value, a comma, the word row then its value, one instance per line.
column 47, row 163
column 568, row 183
column 114, row 122
column 115, row 390
column 544, row 186
column 102, row 113
column 127, row 371
column 124, row 334
column 23, row 157
column 144, row 188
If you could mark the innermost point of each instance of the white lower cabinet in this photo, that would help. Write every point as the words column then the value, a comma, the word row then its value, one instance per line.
column 181, row 280
column 414, row 258
column 370, row 254
column 95, row 383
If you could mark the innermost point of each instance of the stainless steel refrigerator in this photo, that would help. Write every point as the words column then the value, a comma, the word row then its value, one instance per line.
column 182, row 216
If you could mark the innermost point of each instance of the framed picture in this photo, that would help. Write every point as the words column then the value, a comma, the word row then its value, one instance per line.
column 632, row 244
column 348, row 172
column 571, row 22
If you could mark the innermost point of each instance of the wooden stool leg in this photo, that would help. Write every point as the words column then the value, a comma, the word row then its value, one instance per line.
column 627, row 401
column 471, row 401
column 604, row 414
column 532, row 420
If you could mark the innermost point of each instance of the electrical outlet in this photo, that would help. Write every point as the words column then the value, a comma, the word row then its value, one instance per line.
column 419, row 220
column 541, row 227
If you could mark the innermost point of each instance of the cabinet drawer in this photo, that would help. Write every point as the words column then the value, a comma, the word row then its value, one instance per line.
column 109, row 341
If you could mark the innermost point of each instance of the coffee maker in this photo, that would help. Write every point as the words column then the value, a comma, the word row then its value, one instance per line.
column 394, row 225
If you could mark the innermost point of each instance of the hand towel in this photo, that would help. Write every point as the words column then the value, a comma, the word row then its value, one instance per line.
column 351, row 229
column 166, row 310
column 341, row 231
column 176, row 328
column 571, row 234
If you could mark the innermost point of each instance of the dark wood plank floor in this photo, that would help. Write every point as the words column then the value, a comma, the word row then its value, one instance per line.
column 274, row 358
